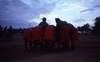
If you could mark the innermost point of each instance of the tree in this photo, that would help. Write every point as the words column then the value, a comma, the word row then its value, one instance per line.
column 85, row 29
column 96, row 27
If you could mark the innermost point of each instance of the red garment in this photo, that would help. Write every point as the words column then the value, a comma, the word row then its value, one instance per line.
column 27, row 35
column 37, row 34
column 75, row 35
column 64, row 31
column 49, row 34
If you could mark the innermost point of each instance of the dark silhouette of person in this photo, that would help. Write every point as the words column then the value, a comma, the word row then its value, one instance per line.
column 62, row 33
column 59, row 23
column 5, row 31
column 71, row 33
column 10, row 33
column 1, row 33
column 74, row 36
column 43, row 24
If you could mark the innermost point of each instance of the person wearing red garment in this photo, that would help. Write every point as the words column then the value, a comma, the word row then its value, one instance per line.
column 62, row 34
column 74, row 36
column 27, row 37
column 49, row 36
column 37, row 36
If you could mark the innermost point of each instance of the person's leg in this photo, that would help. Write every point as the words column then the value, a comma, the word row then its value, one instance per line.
column 31, row 46
column 26, row 46
column 72, row 45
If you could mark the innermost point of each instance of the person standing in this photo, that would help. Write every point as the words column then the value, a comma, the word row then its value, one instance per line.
column 62, row 34
column 43, row 24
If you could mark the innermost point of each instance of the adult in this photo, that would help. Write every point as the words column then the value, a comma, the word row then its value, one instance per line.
column 62, row 34
column 74, row 36
column 43, row 24
column 1, row 33
column 37, row 37
column 27, row 33
column 49, row 36
column 10, row 32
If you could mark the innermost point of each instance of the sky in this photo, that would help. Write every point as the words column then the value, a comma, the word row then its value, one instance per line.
column 25, row 13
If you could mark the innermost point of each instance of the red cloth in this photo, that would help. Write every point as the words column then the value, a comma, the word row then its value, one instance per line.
column 64, row 31
column 49, row 34
column 27, row 35
column 37, row 34
column 75, row 35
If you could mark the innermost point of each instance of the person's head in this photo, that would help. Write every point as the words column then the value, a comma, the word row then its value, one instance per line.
column 44, row 19
column 57, row 20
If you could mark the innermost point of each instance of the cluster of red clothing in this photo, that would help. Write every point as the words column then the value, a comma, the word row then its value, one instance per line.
column 36, row 34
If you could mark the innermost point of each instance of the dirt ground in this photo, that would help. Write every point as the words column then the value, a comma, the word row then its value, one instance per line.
column 87, row 49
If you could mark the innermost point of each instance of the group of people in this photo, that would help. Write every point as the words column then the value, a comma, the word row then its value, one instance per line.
column 60, row 37
column 5, row 33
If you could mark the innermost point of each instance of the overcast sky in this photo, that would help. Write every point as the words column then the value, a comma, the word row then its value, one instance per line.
column 21, row 13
